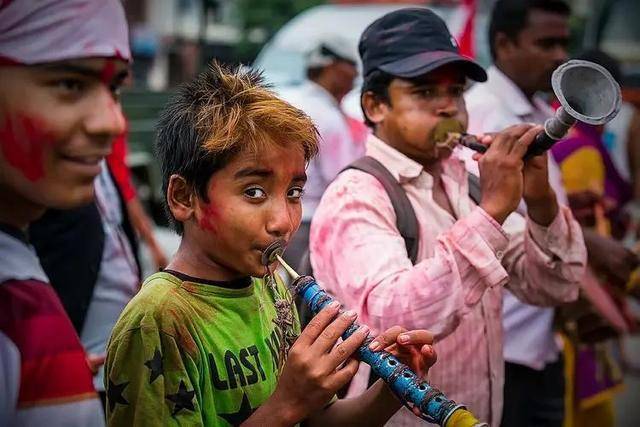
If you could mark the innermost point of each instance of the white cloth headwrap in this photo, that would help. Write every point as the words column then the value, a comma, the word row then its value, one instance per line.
column 39, row 31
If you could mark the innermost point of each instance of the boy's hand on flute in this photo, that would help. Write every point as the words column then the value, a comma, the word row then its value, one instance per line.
column 316, row 368
column 413, row 348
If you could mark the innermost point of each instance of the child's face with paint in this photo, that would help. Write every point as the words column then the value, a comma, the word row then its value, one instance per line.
column 57, row 122
column 254, row 200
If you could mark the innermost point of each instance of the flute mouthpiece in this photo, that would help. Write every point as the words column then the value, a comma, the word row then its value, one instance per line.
column 294, row 275
column 269, row 254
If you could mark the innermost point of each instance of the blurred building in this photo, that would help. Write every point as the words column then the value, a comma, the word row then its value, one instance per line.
column 171, row 39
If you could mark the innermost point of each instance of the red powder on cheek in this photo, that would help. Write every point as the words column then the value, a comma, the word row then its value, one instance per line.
column 209, row 218
column 22, row 140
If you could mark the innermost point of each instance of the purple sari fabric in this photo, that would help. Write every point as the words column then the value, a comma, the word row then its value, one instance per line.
column 583, row 135
column 592, row 375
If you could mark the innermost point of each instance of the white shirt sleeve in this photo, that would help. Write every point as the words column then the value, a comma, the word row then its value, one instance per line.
column 9, row 380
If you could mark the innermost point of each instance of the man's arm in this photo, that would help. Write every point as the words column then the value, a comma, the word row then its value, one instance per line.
column 548, row 257
column 545, row 263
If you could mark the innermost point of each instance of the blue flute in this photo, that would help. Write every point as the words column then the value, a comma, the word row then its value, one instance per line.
column 434, row 406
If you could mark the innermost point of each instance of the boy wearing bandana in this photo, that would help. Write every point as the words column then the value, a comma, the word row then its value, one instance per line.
column 61, row 66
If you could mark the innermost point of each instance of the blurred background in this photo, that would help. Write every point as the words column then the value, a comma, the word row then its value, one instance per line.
column 172, row 40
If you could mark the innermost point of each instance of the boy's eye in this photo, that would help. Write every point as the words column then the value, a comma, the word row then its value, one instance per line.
column 255, row 193
column 71, row 86
column 295, row 193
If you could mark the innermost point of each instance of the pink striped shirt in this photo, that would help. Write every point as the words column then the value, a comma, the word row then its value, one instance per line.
column 454, row 290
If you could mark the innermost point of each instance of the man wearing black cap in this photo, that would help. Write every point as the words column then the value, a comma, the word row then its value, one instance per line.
column 414, row 78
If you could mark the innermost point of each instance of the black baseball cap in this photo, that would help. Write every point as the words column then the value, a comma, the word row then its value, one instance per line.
column 410, row 42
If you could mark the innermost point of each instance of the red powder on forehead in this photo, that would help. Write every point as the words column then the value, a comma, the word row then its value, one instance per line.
column 119, row 55
column 450, row 80
column 108, row 71
column 22, row 139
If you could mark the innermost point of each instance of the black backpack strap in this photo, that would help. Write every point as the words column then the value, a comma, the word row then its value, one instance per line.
column 475, row 192
column 406, row 220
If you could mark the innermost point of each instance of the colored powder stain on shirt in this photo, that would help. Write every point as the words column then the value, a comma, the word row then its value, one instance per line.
column 151, row 372
column 179, row 330
column 22, row 140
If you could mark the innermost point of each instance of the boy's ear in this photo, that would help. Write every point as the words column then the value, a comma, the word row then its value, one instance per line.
column 180, row 198
column 373, row 107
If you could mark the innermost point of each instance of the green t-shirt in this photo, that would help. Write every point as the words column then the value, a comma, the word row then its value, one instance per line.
column 191, row 353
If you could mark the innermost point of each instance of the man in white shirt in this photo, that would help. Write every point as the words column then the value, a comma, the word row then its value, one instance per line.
column 528, row 42
column 331, row 70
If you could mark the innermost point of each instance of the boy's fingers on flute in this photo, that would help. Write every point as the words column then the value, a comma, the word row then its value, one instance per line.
column 429, row 358
column 416, row 337
column 328, row 337
column 429, row 354
column 387, row 338
column 343, row 375
column 318, row 324
column 348, row 347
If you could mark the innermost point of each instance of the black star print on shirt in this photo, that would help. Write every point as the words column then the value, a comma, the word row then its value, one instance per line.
column 183, row 399
column 114, row 394
column 155, row 365
column 237, row 418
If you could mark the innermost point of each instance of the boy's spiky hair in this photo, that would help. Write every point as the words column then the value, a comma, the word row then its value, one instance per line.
column 219, row 114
